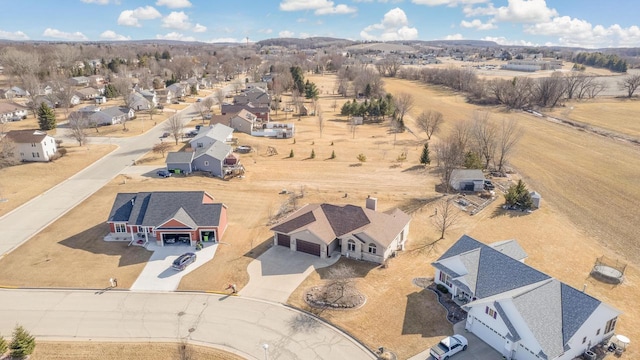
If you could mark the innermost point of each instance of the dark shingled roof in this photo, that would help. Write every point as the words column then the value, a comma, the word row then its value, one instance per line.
column 155, row 208
column 344, row 219
column 26, row 136
column 295, row 223
column 576, row 309
column 180, row 157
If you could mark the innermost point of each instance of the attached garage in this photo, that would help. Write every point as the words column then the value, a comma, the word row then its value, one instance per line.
column 284, row 240
column 308, row 247
column 486, row 333
column 176, row 239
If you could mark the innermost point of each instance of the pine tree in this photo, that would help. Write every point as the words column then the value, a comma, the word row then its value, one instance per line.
column 425, row 159
column 313, row 154
column 3, row 346
column 22, row 344
column 46, row 117
column 333, row 154
column 291, row 153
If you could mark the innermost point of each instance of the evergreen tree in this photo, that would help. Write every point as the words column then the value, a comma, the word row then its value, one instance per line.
column 110, row 91
column 333, row 154
column 518, row 195
column 3, row 346
column 345, row 110
column 313, row 154
column 472, row 160
column 425, row 158
column 310, row 90
column 367, row 91
column 291, row 153
column 22, row 344
column 46, row 117
column 298, row 79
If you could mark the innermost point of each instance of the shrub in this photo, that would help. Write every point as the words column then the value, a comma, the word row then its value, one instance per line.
column 22, row 344
column 362, row 157
column 313, row 154
column 332, row 143
column 294, row 140
column 291, row 153
column 443, row 289
column 62, row 151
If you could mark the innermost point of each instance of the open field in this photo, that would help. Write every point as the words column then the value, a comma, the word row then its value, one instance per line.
column 23, row 182
column 112, row 350
column 587, row 184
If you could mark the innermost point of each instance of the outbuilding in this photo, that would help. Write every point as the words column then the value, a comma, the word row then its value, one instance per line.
column 467, row 180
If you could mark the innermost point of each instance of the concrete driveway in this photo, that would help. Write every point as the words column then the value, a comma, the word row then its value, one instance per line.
column 158, row 275
column 274, row 275
column 477, row 350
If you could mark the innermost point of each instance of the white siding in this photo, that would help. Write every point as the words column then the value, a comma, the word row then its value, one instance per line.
column 490, row 330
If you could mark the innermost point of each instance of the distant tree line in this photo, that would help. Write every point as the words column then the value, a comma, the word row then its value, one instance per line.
column 599, row 60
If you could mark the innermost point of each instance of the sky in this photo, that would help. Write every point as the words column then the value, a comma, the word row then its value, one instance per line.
column 582, row 23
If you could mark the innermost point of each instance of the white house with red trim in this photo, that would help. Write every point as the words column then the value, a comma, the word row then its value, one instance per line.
column 167, row 217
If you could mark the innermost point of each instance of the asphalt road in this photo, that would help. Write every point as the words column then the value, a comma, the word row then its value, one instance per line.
column 232, row 323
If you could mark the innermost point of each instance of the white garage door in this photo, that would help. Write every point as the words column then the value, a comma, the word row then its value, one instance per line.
column 488, row 335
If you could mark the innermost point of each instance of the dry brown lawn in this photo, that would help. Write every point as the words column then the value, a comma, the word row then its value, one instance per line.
column 588, row 184
column 23, row 182
column 113, row 350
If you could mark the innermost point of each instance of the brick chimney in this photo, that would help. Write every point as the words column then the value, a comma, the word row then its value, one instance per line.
column 372, row 203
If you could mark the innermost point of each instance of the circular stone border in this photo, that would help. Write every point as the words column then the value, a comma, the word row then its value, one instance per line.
column 307, row 295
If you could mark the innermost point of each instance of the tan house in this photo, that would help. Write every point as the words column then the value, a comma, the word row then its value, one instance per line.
column 353, row 231
column 243, row 122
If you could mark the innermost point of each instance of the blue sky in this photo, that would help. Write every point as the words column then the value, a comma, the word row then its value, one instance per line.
column 587, row 23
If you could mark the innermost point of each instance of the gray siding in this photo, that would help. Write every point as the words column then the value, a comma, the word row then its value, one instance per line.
column 182, row 166
column 214, row 166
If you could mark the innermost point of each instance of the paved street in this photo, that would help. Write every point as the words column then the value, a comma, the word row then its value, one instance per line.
column 235, row 323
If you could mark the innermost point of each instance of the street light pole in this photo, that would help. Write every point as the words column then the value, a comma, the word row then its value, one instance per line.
column 266, row 349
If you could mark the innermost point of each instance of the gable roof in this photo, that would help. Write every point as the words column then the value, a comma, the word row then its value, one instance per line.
column 466, row 174
column 217, row 132
column 180, row 157
column 218, row 150
column 7, row 107
column 511, row 248
column 329, row 221
column 156, row 208
column 26, row 136
column 245, row 115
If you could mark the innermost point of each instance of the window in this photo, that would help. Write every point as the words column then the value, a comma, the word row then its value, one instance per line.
column 33, row 145
column 206, row 163
column 372, row 248
column 611, row 325
column 598, row 332
column 121, row 228
column 489, row 311
column 445, row 279
column 351, row 245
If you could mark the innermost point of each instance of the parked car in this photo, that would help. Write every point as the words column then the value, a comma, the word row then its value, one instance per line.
column 165, row 135
column 183, row 261
column 160, row 107
column 488, row 185
column 163, row 173
column 448, row 347
column 207, row 116
column 199, row 100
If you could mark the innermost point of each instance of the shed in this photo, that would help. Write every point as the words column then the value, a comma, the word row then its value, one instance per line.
column 535, row 198
column 467, row 180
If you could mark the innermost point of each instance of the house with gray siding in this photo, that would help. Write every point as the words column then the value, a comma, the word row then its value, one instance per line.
column 521, row 312
column 180, row 160
column 209, row 134
column 467, row 180
column 212, row 159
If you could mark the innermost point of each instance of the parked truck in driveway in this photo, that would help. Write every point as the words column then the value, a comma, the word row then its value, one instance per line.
column 448, row 347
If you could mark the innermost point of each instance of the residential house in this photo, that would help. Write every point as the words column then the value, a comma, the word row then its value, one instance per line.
column 180, row 162
column 351, row 231
column 45, row 90
column 40, row 99
column 138, row 102
column 193, row 82
column 87, row 93
column 243, row 121
column 33, row 145
column 16, row 91
column 521, row 312
column 214, row 159
column 252, row 85
column 101, row 100
column 164, row 96
column 150, row 96
column 256, row 96
column 167, row 217
column 177, row 91
column 96, row 81
column 467, row 180
column 221, row 119
column 10, row 111
column 208, row 135
column 262, row 112
column 111, row 115
column 79, row 81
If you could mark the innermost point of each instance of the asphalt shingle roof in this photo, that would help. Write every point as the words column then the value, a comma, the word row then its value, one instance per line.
column 218, row 150
column 26, row 136
column 155, row 208
column 180, row 157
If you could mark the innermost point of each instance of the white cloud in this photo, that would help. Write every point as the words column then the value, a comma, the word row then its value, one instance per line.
column 265, row 31
column 16, row 35
column 450, row 3
column 174, row 4
column 320, row 7
column 175, row 36
column 286, row 34
column 525, row 11
column 489, row 10
column 176, row 20
column 57, row 34
column 477, row 24
column 380, row 1
column 454, row 37
column 394, row 26
column 199, row 28
column 133, row 17
column 577, row 32
column 111, row 35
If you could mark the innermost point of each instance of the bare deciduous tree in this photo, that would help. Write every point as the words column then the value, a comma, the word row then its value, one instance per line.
column 341, row 278
column 630, row 84
column 320, row 117
column 208, row 103
column 485, row 136
column 449, row 155
column 124, row 88
column 220, row 95
column 78, row 127
column 8, row 151
column 509, row 134
column 403, row 103
column 446, row 216
column 175, row 127
column 548, row 91
column 161, row 148
column 429, row 122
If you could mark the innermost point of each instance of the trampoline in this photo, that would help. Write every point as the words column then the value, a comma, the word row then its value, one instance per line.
column 608, row 270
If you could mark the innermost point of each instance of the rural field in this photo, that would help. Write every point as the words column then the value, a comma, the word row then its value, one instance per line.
column 588, row 184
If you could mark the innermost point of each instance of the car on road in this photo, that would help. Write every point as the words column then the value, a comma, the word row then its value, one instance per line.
column 165, row 135
column 163, row 173
column 183, row 261
column 448, row 347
